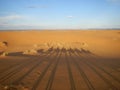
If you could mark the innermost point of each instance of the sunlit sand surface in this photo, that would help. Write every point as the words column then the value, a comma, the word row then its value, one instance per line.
column 60, row 60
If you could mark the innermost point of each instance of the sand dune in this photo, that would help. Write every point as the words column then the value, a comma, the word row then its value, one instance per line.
column 60, row 60
column 101, row 42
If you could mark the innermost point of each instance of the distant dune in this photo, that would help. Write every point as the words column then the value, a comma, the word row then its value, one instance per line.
column 101, row 42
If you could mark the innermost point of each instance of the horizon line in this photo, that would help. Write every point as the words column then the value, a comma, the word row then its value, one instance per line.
column 58, row 29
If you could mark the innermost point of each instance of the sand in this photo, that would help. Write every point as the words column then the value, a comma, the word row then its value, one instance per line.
column 60, row 60
column 101, row 42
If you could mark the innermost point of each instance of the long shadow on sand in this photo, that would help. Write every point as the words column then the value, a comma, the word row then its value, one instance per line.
column 40, row 51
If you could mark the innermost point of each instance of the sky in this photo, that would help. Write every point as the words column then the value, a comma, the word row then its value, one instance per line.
column 59, row 14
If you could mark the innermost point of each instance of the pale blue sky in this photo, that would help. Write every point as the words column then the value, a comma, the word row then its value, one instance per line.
column 59, row 14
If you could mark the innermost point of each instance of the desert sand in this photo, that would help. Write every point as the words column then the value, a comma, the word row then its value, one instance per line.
column 101, row 42
column 60, row 60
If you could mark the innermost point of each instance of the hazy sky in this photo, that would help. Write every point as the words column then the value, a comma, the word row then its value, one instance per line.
column 59, row 14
